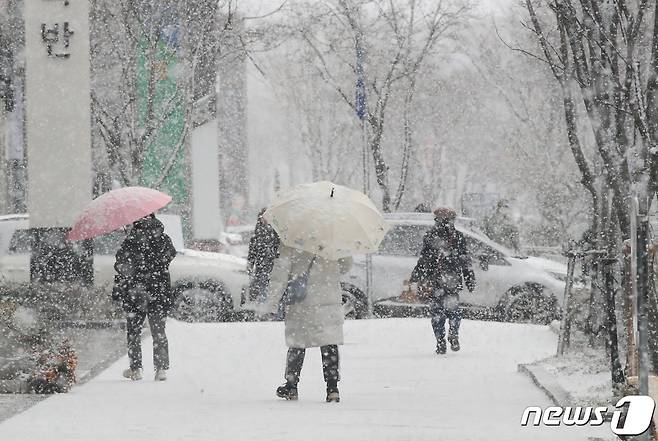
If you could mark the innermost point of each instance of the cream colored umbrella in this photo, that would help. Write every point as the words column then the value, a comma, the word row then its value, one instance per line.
column 326, row 219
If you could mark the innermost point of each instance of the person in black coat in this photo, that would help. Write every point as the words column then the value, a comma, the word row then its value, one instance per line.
column 143, row 287
column 444, row 261
column 263, row 249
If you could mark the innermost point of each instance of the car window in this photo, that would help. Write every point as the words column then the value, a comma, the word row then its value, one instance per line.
column 479, row 250
column 109, row 244
column 246, row 236
column 7, row 229
column 403, row 240
column 21, row 242
column 23, row 239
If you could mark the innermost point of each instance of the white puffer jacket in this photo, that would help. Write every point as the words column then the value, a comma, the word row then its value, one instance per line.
column 318, row 319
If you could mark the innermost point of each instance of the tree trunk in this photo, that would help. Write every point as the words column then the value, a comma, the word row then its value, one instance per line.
column 611, row 325
column 408, row 143
column 381, row 169
column 652, row 313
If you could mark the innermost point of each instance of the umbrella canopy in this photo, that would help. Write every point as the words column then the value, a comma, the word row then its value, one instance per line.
column 117, row 208
column 327, row 219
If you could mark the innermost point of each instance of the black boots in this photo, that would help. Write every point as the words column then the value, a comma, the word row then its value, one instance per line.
column 454, row 342
column 332, row 394
column 330, row 369
column 294, row 363
column 287, row 391
column 441, row 346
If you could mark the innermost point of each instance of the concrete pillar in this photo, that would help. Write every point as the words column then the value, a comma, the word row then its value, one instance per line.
column 58, row 122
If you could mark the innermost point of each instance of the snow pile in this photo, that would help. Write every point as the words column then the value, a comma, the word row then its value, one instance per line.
column 584, row 374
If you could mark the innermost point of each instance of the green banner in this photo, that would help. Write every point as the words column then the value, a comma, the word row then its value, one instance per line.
column 166, row 100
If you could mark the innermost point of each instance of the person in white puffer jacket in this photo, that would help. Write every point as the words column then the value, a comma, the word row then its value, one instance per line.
column 315, row 321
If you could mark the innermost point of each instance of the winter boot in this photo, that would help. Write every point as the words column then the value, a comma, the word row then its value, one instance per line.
column 454, row 342
column 332, row 394
column 441, row 346
column 287, row 391
column 160, row 375
column 133, row 374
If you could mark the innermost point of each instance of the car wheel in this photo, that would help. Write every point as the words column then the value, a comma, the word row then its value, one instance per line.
column 355, row 304
column 202, row 302
column 529, row 303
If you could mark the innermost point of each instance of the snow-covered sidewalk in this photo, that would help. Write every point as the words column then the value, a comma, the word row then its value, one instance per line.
column 223, row 376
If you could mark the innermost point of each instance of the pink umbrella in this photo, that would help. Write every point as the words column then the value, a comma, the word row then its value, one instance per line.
column 116, row 208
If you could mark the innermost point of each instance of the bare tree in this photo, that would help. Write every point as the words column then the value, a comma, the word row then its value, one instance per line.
column 395, row 42
column 136, row 46
column 597, row 51
column 534, row 129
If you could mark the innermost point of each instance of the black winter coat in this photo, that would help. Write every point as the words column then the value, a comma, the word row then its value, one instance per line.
column 142, row 266
column 263, row 248
column 444, row 260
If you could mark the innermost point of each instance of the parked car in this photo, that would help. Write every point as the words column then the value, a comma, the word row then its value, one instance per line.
column 237, row 238
column 354, row 303
column 209, row 285
column 510, row 287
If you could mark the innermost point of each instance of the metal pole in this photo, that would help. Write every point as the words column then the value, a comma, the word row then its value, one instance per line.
column 361, row 107
column 642, row 305
column 611, row 319
column 629, row 319
column 642, row 294
column 366, row 191
column 631, row 334
column 565, row 328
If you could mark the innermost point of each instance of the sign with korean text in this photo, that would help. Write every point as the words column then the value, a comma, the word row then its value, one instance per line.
column 58, row 108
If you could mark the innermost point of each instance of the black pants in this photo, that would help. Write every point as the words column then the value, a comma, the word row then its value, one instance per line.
column 330, row 364
column 157, row 320
column 445, row 304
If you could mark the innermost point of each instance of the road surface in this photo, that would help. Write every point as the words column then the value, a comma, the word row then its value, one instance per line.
column 394, row 387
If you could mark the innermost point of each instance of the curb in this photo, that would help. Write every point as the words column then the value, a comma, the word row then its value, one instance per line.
column 13, row 387
column 108, row 361
column 18, row 388
column 92, row 324
column 547, row 383
column 101, row 366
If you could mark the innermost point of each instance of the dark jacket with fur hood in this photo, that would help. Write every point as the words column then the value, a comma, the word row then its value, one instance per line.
column 142, row 266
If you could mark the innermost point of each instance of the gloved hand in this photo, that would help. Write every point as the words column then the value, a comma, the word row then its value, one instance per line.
column 269, row 317
column 469, row 279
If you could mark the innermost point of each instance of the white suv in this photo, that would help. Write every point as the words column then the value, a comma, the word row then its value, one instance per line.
column 509, row 286
column 209, row 285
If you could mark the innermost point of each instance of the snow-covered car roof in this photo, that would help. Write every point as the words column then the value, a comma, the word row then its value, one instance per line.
column 19, row 216
column 413, row 218
column 465, row 225
column 468, row 227
column 240, row 228
column 171, row 222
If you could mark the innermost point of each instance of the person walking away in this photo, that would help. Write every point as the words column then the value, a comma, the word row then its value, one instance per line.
column 143, row 286
column 263, row 249
column 500, row 227
column 314, row 321
column 444, row 261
